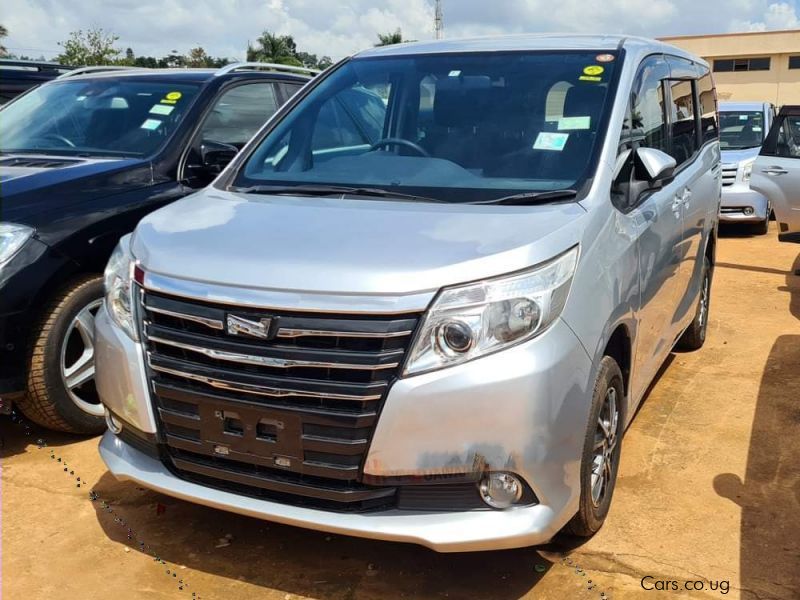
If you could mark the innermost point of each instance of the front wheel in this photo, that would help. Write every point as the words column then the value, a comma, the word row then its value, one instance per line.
column 601, row 450
column 61, row 393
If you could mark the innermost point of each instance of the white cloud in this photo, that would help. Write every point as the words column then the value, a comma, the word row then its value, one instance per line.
column 340, row 27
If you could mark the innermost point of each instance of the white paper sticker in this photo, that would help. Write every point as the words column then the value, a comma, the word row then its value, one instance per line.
column 162, row 109
column 454, row 73
column 574, row 123
column 743, row 117
column 756, row 129
column 550, row 141
column 150, row 124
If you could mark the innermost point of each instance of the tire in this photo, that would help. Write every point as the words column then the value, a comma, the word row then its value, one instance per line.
column 695, row 335
column 599, row 465
column 59, row 344
column 762, row 228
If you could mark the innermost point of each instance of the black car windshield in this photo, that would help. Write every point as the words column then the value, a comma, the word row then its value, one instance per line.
column 450, row 127
column 118, row 116
column 741, row 129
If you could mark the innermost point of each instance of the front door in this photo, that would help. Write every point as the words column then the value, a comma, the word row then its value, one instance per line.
column 776, row 172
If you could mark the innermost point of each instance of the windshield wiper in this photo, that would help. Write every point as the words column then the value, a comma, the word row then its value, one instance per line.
column 329, row 190
column 531, row 197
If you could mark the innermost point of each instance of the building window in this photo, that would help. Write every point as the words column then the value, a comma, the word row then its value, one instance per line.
column 794, row 62
column 743, row 64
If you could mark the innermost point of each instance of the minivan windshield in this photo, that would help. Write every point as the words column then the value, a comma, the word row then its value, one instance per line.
column 448, row 127
column 741, row 129
column 117, row 116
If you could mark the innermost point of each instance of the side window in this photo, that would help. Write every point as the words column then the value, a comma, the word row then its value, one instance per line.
column 289, row 89
column 709, row 128
column 646, row 123
column 682, row 117
column 787, row 142
column 239, row 113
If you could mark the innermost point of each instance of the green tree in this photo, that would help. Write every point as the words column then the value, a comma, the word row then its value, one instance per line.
column 269, row 47
column 312, row 62
column 3, row 34
column 388, row 39
column 94, row 47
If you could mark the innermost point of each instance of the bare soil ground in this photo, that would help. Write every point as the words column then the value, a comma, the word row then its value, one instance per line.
column 708, row 491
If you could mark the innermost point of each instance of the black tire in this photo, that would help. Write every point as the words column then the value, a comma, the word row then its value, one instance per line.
column 695, row 335
column 761, row 228
column 592, row 511
column 47, row 401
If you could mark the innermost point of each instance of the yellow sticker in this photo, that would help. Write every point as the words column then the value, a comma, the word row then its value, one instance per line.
column 589, row 78
column 177, row 95
column 593, row 70
column 168, row 101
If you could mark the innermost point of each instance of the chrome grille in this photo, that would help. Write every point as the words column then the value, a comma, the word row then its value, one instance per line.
column 293, row 413
column 729, row 174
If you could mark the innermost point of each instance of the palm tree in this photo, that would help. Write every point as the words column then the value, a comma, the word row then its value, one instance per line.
column 387, row 39
column 274, row 48
column 3, row 34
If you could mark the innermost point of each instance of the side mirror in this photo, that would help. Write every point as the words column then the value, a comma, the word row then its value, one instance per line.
column 215, row 155
column 653, row 166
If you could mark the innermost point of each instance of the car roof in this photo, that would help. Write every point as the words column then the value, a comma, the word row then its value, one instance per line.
column 182, row 75
column 532, row 42
column 732, row 106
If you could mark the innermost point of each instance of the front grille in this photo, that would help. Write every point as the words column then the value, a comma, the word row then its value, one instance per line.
column 286, row 407
column 729, row 174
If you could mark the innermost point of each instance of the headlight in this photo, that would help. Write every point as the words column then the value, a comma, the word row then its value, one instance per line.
column 118, row 277
column 12, row 238
column 747, row 171
column 476, row 319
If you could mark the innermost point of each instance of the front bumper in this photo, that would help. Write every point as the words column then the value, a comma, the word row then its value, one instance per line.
column 737, row 198
column 523, row 410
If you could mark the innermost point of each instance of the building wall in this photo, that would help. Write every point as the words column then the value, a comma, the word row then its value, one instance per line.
column 780, row 85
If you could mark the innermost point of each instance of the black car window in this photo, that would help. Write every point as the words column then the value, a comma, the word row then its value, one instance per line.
column 239, row 113
column 103, row 116
column 683, row 123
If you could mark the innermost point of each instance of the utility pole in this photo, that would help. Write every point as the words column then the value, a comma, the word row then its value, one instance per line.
column 438, row 20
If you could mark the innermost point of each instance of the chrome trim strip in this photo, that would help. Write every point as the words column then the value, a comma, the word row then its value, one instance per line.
column 330, row 440
column 212, row 323
column 295, row 333
column 267, row 361
column 298, row 300
column 259, row 390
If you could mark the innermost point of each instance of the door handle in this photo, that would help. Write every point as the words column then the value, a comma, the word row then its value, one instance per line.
column 774, row 171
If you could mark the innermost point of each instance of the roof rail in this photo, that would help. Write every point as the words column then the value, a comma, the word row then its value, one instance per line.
column 99, row 69
column 33, row 64
column 266, row 66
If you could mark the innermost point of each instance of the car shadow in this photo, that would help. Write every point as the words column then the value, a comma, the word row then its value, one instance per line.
column 304, row 562
column 18, row 435
column 769, row 495
column 738, row 230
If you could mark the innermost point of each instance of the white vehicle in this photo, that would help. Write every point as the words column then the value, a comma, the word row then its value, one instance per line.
column 743, row 127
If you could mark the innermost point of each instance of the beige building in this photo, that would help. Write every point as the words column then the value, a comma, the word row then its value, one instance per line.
column 753, row 66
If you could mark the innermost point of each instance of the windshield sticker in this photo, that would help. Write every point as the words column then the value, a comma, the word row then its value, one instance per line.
column 454, row 73
column 590, row 78
column 550, row 141
column 174, row 96
column 574, row 123
column 743, row 117
column 593, row 70
column 604, row 58
column 162, row 109
column 150, row 124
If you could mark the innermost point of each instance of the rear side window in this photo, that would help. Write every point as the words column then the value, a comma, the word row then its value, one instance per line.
column 684, row 126
column 787, row 141
column 709, row 128
column 239, row 113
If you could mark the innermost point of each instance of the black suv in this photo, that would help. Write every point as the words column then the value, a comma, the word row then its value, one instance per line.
column 18, row 76
column 82, row 160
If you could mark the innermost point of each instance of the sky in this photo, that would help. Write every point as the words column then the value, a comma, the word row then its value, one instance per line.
column 337, row 28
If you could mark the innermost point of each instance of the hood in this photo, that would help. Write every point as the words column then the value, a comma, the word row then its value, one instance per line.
column 34, row 184
column 347, row 246
column 737, row 156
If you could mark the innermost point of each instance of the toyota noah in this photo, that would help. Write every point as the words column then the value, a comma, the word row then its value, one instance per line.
column 424, row 302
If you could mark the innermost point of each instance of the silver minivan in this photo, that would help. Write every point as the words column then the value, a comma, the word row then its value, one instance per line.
column 424, row 302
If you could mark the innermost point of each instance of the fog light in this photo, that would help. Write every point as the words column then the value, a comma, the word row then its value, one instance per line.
column 500, row 490
column 455, row 337
column 748, row 210
column 114, row 424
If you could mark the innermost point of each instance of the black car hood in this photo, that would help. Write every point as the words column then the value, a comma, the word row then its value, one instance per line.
column 34, row 185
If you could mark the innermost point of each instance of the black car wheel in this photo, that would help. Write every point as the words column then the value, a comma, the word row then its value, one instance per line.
column 695, row 335
column 61, row 393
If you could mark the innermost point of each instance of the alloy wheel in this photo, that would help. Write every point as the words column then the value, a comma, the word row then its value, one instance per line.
column 77, row 360
column 605, row 445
